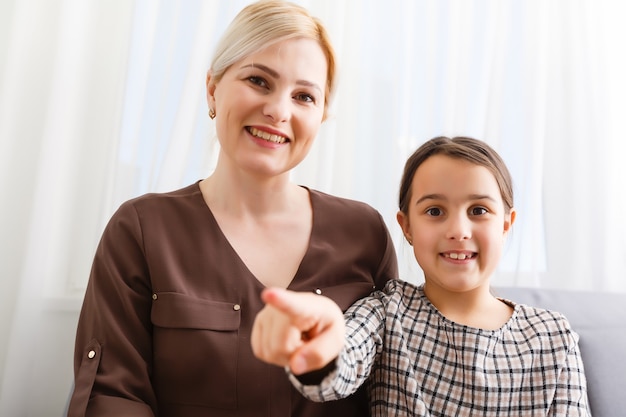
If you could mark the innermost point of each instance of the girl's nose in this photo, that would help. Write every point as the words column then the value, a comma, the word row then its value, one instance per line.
column 459, row 228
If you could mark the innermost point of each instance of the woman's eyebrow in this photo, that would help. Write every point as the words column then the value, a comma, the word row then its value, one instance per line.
column 264, row 68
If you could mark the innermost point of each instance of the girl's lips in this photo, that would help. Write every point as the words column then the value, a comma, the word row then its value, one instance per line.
column 460, row 256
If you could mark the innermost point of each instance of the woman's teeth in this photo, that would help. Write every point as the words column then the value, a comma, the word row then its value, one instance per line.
column 267, row 136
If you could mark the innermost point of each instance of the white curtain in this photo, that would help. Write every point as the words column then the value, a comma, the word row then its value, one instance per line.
column 101, row 101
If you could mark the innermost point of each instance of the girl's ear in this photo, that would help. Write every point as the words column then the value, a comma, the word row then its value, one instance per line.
column 403, row 221
column 509, row 219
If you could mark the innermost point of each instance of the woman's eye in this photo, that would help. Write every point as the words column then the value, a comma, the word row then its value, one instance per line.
column 257, row 81
column 478, row 211
column 434, row 211
column 305, row 97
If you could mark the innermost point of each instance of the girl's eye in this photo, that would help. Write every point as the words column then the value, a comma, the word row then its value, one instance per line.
column 478, row 211
column 305, row 97
column 434, row 211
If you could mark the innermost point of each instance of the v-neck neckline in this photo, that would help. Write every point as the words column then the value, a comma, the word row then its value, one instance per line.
column 222, row 236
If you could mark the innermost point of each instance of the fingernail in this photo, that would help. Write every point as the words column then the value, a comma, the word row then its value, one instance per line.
column 298, row 365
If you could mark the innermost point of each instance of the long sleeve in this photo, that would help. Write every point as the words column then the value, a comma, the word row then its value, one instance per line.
column 113, row 355
column 570, row 398
column 365, row 328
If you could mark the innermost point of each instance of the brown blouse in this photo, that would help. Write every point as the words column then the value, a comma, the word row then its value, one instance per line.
column 165, row 325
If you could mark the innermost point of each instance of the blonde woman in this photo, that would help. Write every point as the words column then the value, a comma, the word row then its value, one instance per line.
column 175, row 284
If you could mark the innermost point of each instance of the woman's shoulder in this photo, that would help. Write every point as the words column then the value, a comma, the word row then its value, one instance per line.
column 186, row 191
column 151, row 199
column 172, row 204
column 325, row 201
column 350, row 216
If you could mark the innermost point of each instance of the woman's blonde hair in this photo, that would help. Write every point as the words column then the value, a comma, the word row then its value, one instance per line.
column 265, row 22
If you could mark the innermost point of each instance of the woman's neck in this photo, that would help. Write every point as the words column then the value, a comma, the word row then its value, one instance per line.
column 243, row 195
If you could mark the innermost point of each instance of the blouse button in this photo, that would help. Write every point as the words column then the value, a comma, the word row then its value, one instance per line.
column 91, row 354
column 318, row 291
column 236, row 307
column 154, row 296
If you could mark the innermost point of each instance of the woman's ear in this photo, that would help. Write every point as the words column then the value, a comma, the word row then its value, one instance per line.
column 210, row 90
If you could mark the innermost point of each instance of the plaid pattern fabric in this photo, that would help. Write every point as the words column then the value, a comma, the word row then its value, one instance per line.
column 421, row 364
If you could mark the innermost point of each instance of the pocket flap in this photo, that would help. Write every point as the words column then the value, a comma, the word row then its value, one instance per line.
column 174, row 310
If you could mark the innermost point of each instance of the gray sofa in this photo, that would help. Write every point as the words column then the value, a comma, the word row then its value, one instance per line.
column 600, row 320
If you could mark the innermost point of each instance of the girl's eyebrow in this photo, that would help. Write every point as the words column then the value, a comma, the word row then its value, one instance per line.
column 275, row 74
column 431, row 197
column 443, row 197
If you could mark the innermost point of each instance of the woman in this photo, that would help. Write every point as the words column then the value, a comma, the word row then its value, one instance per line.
column 175, row 283
column 447, row 347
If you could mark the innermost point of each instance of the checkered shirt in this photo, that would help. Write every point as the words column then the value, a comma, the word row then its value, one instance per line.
column 421, row 364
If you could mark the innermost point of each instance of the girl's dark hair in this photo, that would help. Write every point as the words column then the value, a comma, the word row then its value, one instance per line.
column 468, row 149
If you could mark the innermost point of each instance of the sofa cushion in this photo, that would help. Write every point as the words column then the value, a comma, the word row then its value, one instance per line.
column 600, row 320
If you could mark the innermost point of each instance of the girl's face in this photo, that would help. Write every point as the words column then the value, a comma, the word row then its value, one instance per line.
column 457, row 222
column 269, row 106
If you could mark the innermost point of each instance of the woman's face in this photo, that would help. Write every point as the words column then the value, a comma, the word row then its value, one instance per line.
column 269, row 106
column 457, row 222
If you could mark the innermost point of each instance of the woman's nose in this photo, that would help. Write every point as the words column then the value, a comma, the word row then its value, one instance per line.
column 278, row 107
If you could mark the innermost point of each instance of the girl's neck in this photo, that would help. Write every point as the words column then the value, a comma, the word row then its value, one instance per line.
column 476, row 308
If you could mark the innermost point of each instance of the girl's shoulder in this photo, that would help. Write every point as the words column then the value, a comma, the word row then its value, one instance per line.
column 539, row 323
column 401, row 298
column 400, row 289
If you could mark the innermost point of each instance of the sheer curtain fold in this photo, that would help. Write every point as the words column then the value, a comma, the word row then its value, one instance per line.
column 104, row 101
column 63, row 74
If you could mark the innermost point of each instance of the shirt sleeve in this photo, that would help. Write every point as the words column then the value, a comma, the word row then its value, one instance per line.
column 365, row 328
column 113, row 355
column 570, row 398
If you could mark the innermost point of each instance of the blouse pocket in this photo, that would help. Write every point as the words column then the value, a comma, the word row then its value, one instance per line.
column 195, row 348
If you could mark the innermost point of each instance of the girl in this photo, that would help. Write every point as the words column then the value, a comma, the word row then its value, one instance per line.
column 447, row 347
